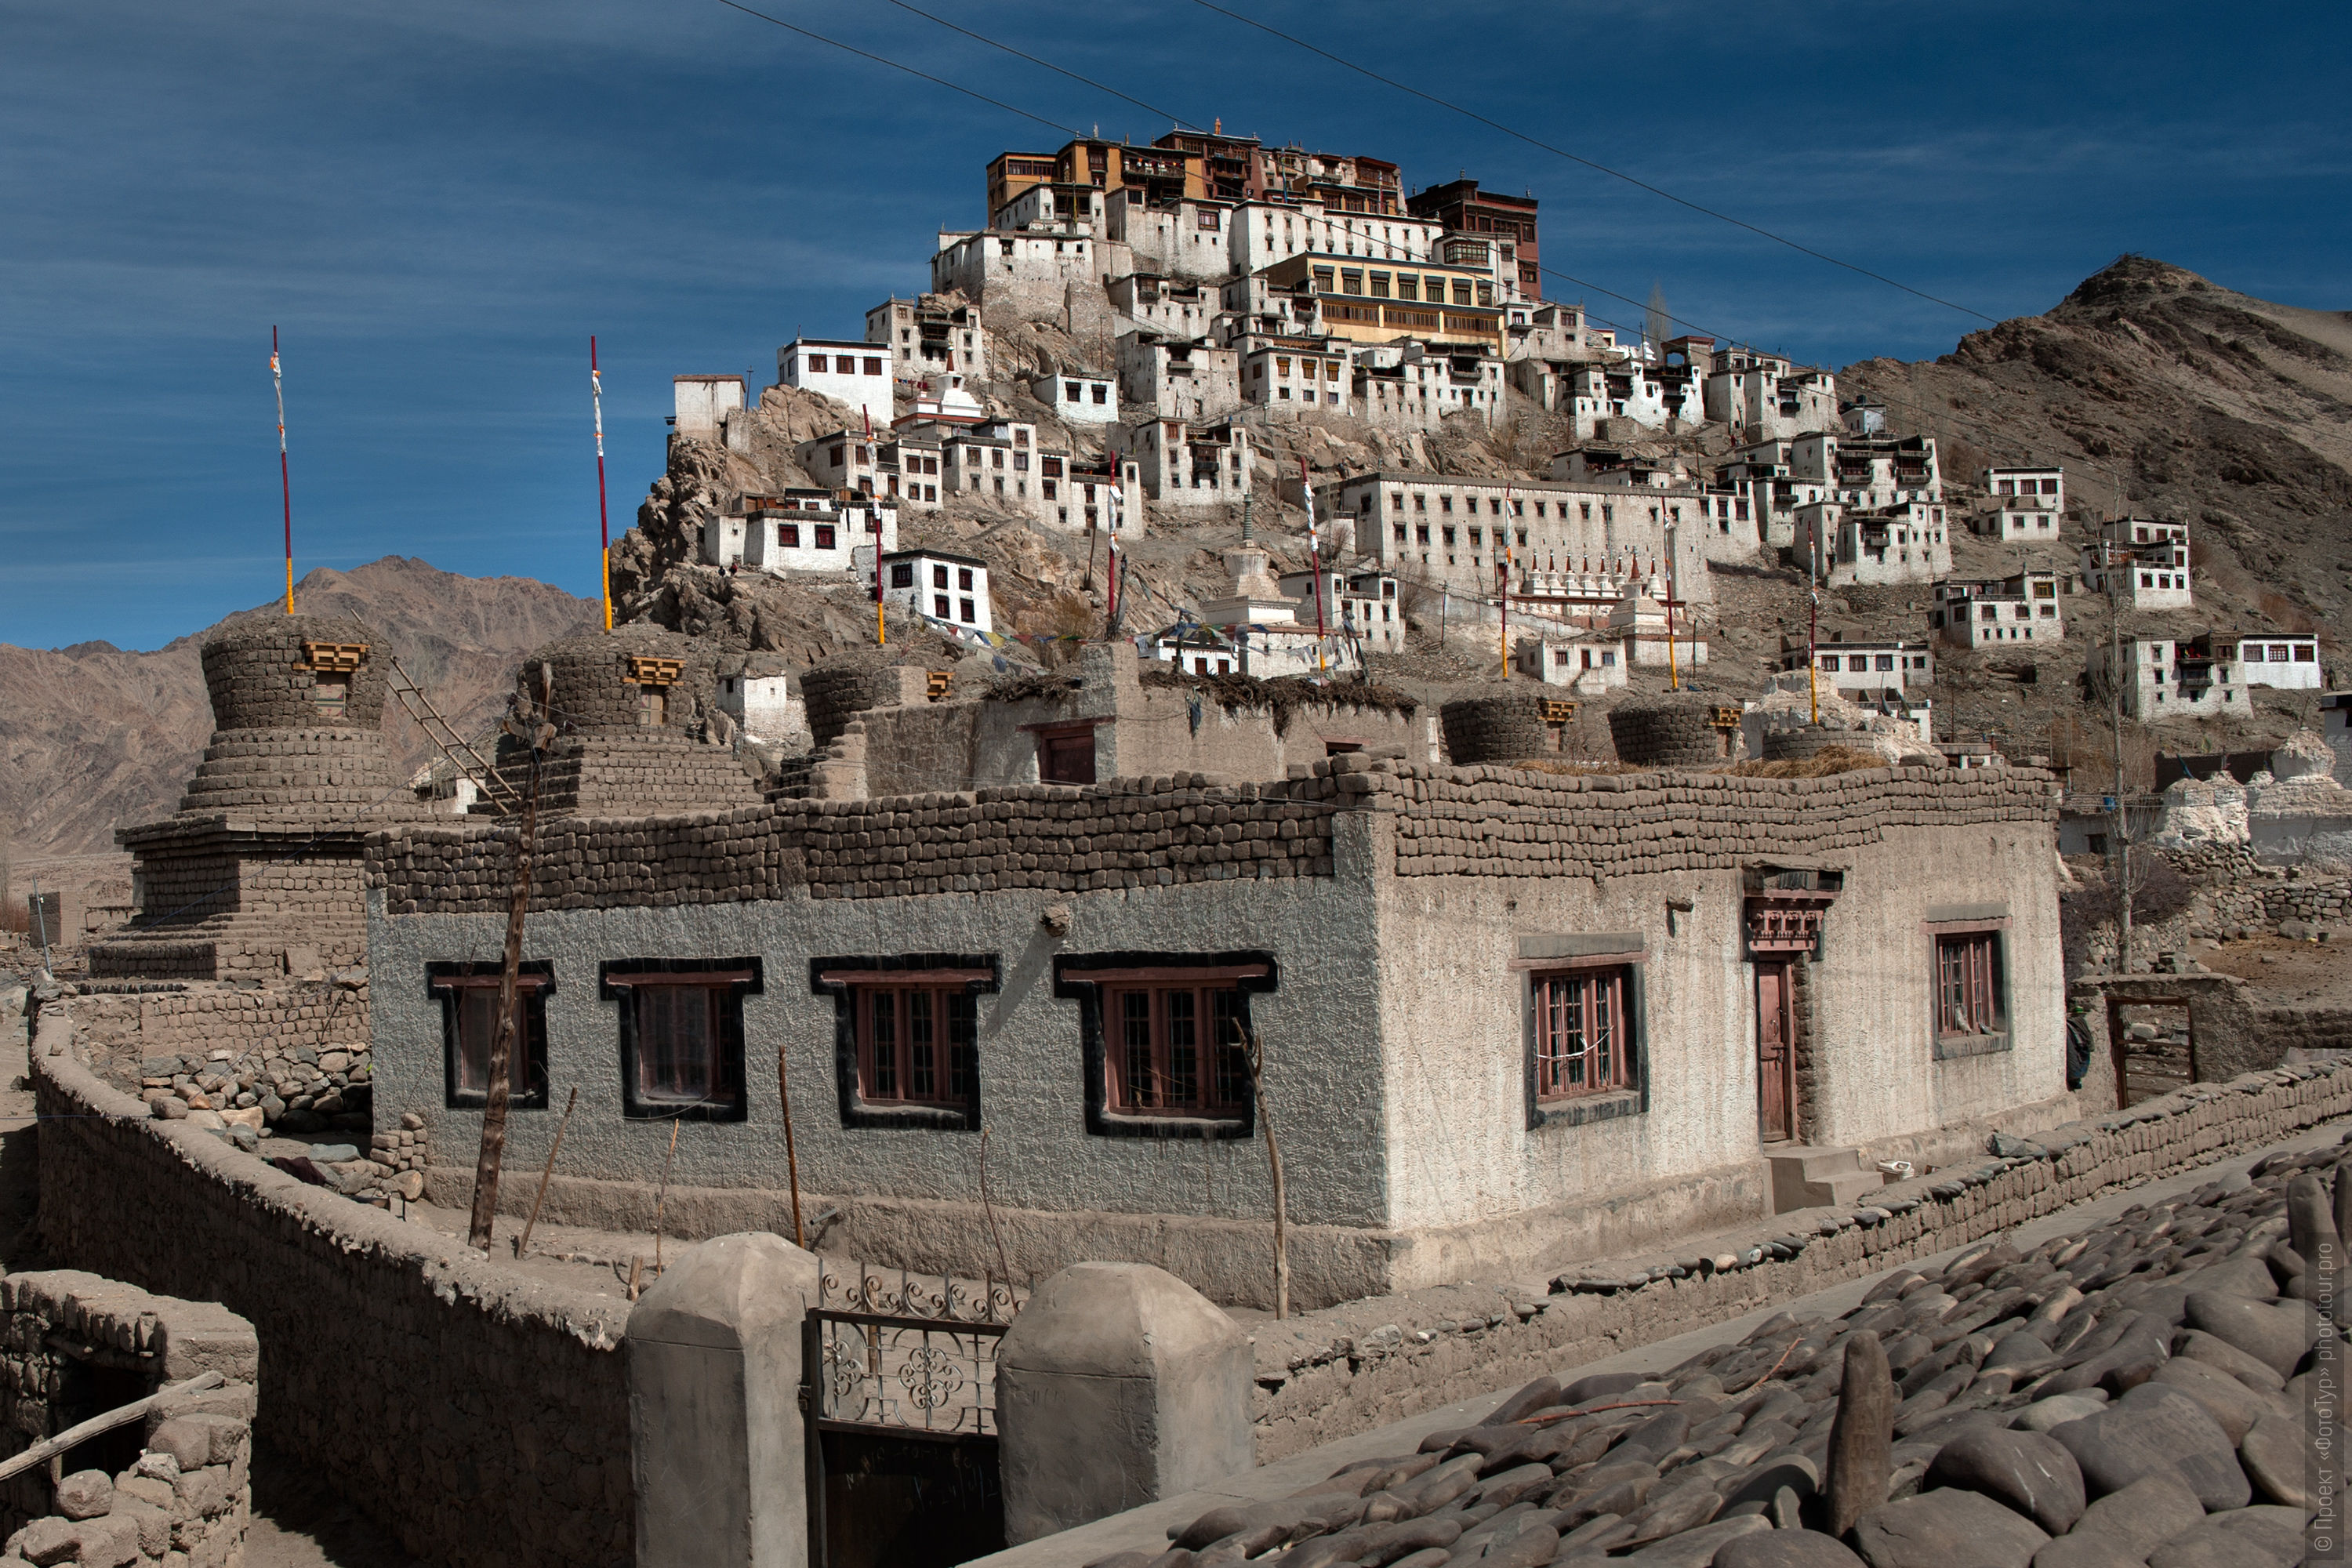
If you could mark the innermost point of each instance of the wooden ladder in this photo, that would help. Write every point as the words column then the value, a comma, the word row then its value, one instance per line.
column 452, row 745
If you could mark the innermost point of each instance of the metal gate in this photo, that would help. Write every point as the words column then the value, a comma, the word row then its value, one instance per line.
column 900, row 1392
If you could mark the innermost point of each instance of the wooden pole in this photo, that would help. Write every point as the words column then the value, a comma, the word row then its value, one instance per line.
column 661, row 1199
column 494, row 1110
column 792, row 1155
column 72, row 1436
column 1254, row 1054
column 523, row 1245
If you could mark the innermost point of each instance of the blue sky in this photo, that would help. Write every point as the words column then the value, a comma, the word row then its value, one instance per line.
column 438, row 202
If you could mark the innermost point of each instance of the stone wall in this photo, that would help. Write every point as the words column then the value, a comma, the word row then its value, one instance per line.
column 297, row 1054
column 1329, row 1374
column 75, row 1345
column 626, row 773
column 474, row 1412
column 1669, row 732
column 584, row 680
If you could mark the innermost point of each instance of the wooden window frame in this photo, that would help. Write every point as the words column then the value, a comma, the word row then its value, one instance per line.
column 450, row 984
column 1049, row 735
column 1981, row 971
column 1099, row 983
column 852, row 983
column 626, row 982
column 1626, row 960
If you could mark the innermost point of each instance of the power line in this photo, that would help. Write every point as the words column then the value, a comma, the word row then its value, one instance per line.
column 894, row 65
column 1602, row 168
column 1033, row 59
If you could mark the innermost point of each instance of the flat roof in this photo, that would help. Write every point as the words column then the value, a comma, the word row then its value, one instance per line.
column 935, row 555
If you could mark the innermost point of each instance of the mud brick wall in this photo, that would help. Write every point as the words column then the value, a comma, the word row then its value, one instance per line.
column 1131, row 833
column 260, row 679
column 1667, row 734
column 74, row 1344
column 2305, row 1028
column 838, row 691
column 1502, row 821
column 918, row 750
column 1348, row 1369
column 1495, row 729
column 310, row 770
column 477, row 1415
column 586, row 679
column 630, row 773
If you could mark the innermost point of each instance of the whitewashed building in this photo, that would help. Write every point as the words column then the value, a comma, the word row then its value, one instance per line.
column 1357, row 603
column 1764, row 396
column 2140, row 562
column 940, row 586
column 1177, row 379
column 1294, row 375
column 852, row 373
column 702, row 403
column 2287, row 661
column 930, row 338
column 1077, row 398
column 762, row 695
column 1584, row 661
column 2022, row 505
column 1999, row 612
column 2173, row 678
column 1864, row 669
column 1904, row 542
column 800, row 530
column 1183, row 464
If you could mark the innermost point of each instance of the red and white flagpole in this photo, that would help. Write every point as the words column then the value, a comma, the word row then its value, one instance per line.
column 1503, row 570
column 285, row 483
column 603, row 521
column 873, row 512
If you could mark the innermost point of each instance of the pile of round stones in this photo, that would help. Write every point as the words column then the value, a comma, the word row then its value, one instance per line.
column 2146, row 1393
column 295, row 1090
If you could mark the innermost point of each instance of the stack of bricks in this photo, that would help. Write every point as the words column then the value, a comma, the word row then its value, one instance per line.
column 639, row 773
column 1498, row 821
column 1668, row 733
column 1130, row 832
column 186, row 1498
column 1495, row 729
column 588, row 685
column 276, row 750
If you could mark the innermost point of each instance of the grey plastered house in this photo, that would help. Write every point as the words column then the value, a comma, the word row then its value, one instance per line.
column 1510, row 1018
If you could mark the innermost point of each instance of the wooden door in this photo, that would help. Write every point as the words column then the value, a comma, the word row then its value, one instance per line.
column 1776, row 1054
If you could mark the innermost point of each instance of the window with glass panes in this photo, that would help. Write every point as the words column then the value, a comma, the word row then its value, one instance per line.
column 915, row 1044
column 1582, row 1045
column 1969, row 984
column 470, row 1000
column 1175, row 1049
column 682, row 1035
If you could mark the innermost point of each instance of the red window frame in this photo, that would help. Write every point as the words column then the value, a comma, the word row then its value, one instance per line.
column 1172, row 1047
column 917, row 1044
column 1969, row 984
column 1583, row 1042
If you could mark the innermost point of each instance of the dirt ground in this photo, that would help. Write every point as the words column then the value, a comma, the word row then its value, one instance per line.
column 2288, row 972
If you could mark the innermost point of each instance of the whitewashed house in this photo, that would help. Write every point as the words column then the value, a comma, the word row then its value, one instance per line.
column 1359, row 604
column 802, row 531
column 852, row 373
column 702, row 403
column 1997, row 612
column 1077, row 398
column 1861, row 668
column 2141, row 562
column 2023, row 505
column 940, row 586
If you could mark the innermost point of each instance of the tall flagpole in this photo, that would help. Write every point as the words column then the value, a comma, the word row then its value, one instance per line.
column 1502, row 567
column 285, row 483
column 603, row 522
column 874, row 511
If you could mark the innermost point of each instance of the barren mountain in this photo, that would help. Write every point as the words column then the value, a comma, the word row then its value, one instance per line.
column 93, row 737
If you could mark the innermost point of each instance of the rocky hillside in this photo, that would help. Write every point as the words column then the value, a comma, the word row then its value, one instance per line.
column 95, row 737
